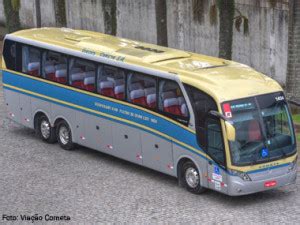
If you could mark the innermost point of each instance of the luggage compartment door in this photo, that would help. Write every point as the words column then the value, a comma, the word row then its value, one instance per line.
column 157, row 153
column 127, row 143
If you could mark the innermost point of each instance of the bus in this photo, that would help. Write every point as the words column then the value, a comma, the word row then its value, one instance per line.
column 211, row 123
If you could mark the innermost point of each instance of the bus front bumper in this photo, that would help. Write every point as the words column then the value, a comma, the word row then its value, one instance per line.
column 237, row 186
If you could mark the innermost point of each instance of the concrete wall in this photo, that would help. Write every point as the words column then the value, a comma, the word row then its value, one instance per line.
column 187, row 34
column 85, row 14
column 293, row 78
column 136, row 20
column 2, row 16
column 265, row 48
column 47, row 13
column 27, row 13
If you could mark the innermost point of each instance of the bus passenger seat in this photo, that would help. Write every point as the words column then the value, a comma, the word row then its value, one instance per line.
column 138, row 97
column 254, row 131
column 119, row 82
column 151, row 100
column 89, row 74
column 135, row 86
column 171, row 105
column 106, row 88
column 77, row 79
column 61, row 76
column 50, row 72
column 119, row 91
column 33, row 68
column 184, row 110
column 149, row 91
column 60, row 66
column 168, row 94
column 181, row 100
column 89, row 83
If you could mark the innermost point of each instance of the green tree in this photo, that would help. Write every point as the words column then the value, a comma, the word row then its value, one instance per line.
column 11, row 11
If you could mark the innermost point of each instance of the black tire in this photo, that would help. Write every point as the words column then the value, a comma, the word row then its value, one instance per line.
column 64, row 136
column 44, row 130
column 187, row 169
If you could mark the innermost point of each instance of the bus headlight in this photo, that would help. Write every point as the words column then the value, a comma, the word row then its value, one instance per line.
column 244, row 176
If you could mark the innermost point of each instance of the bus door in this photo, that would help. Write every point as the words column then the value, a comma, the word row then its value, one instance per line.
column 216, row 173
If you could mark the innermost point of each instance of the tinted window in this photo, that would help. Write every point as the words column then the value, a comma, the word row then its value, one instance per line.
column 142, row 90
column 111, row 82
column 215, row 146
column 202, row 104
column 54, row 66
column 9, row 54
column 82, row 74
column 31, row 61
column 171, row 100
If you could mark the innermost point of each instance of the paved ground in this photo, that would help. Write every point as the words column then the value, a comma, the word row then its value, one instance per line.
column 38, row 178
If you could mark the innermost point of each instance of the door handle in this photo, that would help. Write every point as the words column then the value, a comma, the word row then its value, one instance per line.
column 126, row 136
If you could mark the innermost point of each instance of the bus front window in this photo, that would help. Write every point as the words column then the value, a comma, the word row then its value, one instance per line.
column 264, row 129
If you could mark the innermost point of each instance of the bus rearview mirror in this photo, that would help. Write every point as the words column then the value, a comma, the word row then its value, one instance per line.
column 230, row 130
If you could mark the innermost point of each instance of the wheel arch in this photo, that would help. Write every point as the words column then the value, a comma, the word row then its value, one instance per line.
column 184, row 158
column 37, row 114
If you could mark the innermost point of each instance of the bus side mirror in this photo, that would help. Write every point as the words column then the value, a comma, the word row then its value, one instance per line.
column 230, row 130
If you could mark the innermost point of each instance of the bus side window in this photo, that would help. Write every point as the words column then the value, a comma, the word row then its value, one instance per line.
column 31, row 61
column 9, row 54
column 202, row 104
column 111, row 82
column 54, row 66
column 215, row 146
column 82, row 74
column 171, row 100
column 141, row 90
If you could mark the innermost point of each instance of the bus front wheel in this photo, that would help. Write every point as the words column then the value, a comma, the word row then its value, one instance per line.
column 64, row 135
column 44, row 129
column 190, row 178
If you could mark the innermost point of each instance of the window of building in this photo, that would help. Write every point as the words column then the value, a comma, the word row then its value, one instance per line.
column 111, row 82
column 31, row 61
column 142, row 90
column 82, row 74
column 54, row 66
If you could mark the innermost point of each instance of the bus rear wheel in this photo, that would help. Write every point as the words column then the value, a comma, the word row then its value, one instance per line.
column 64, row 135
column 190, row 178
column 44, row 129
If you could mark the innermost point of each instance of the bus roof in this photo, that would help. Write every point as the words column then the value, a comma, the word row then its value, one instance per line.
column 224, row 80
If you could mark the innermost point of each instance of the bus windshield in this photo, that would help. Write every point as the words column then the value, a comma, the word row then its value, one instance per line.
column 264, row 130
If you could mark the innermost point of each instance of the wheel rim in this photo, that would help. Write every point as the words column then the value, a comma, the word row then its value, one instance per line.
column 192, row 177
column 45, row 129
column 64, row 135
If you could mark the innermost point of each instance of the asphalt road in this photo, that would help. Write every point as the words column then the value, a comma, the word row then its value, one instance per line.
column 90, row 187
